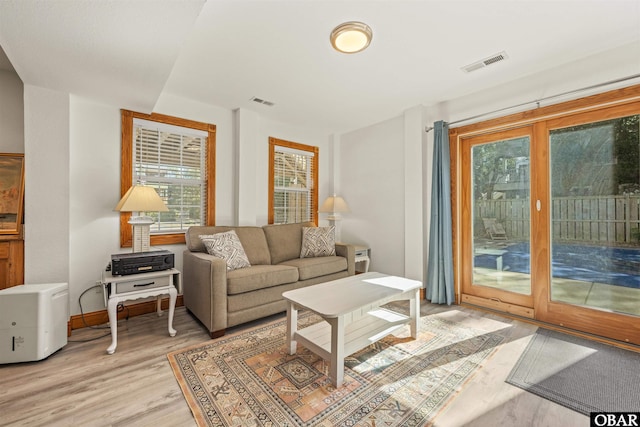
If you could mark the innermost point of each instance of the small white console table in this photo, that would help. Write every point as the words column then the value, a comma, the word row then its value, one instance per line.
column 117, row 289
column 353, row 316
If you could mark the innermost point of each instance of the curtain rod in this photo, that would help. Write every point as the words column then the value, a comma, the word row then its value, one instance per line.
column 538, row 101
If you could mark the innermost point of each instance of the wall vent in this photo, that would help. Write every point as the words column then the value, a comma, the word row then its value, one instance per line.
column 262, row 101
column 485, row 62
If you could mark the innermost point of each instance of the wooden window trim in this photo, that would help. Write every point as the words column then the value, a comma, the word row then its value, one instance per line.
column 288, row 144
column 126, row 171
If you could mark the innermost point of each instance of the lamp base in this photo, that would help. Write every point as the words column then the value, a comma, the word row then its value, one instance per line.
column 141, row 239
column 141, row 220
column 334, row 220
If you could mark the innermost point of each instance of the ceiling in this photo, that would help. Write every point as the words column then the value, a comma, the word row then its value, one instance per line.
column 224, row 52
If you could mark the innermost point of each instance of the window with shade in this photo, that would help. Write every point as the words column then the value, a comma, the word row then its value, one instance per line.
column 293, row 174
column 176, row 158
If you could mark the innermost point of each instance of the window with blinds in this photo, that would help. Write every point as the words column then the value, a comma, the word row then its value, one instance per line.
column 176, row 156
column 172, row 159
column 293, row 175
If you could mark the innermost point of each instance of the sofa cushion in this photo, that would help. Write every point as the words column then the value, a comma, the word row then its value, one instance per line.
column 308, row 268
column 228, row 247
column 252, row 238
column 255, row 244
column 284, row 240
column 318, row 241
column 259, row 277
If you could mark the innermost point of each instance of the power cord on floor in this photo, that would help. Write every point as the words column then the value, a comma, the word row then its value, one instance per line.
column 84, row 321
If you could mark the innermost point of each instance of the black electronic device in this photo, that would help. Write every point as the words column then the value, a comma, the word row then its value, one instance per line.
column 141, row 262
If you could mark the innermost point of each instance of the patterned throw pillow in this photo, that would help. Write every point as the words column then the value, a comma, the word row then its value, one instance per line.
column 227, row 246
column 318, row 241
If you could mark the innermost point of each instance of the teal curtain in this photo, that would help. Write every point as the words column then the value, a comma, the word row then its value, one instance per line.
column 440, row 260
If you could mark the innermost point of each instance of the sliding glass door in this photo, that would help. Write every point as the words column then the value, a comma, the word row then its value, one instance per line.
column 595, row 199
column 548, row 219
column 497, row 241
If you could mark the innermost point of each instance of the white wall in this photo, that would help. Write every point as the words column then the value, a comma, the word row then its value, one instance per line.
column 46, row 121
column 380, row 175
column 413, row 184
column 246, row 158
column 94, row 146
column 372, row 182
column 11, row 113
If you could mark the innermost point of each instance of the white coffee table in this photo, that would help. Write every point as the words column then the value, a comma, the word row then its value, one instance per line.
column 352, row 314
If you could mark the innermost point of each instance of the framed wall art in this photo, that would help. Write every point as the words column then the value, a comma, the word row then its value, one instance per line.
column 11, row 192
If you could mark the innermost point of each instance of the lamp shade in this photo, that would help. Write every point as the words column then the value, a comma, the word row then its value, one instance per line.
column 141, row 198
column 334, row 204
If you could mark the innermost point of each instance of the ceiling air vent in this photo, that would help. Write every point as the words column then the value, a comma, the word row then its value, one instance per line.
column 262, row 101
column 485, row 62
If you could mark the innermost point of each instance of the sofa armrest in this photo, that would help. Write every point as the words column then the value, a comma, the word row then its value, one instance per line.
column 205, row 288
column 349, row 252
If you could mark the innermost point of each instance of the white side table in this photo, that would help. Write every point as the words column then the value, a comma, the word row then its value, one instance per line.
column 363, row 254
column 117, row 289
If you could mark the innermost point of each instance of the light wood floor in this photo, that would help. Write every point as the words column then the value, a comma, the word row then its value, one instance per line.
column 81, row 385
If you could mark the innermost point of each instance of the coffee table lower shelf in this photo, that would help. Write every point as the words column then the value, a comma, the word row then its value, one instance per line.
column 365, row 331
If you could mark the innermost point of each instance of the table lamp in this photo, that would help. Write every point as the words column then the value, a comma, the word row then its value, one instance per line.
column 140, row 198
column 334, row 206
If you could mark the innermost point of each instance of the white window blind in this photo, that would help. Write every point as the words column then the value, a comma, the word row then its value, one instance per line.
column 172, row 159
column 293, row 185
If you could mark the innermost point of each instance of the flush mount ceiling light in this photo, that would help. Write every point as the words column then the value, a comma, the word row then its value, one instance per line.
column 351, row 37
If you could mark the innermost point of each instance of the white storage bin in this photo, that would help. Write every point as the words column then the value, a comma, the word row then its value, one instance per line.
column 33, row 321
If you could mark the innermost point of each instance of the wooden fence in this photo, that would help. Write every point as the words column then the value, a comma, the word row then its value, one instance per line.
column 599, row 219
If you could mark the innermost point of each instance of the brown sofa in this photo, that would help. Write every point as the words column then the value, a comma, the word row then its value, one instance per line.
column 221, row 298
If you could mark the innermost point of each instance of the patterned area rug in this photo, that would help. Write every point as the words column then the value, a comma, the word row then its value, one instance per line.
column 248, row 379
